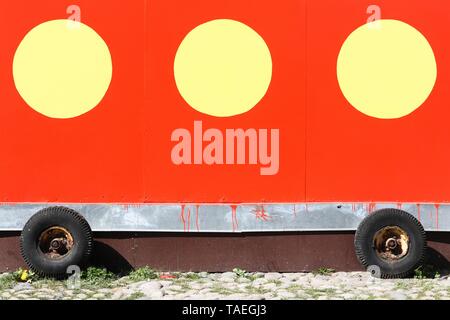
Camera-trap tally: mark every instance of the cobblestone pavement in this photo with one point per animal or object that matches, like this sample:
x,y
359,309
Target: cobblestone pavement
x,y
233,286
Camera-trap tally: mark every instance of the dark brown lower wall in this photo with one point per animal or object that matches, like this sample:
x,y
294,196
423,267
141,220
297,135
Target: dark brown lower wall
x,y
282,252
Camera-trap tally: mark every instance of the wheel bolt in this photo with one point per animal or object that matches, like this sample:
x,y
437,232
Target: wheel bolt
x,y
391,243
55,244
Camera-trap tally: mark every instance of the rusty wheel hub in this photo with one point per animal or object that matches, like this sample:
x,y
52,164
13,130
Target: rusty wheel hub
x,y
391,243
55,242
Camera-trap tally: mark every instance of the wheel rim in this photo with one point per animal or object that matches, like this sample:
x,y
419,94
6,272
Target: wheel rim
x,y
391,243
55,242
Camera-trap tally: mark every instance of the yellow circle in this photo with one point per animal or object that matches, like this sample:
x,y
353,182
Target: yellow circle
x,y
223,68
62,69
386,69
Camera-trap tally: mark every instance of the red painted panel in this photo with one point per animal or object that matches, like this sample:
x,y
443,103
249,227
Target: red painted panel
x,y
353,157
121,150
96,157
283,29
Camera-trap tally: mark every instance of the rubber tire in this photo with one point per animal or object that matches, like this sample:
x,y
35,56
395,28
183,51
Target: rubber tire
x,y
51,217
391,217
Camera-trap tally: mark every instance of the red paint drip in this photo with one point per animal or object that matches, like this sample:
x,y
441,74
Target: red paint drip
x,y
261,213
399,205
437,215
196,217
234,220
371,207
182,217
353,207
189,219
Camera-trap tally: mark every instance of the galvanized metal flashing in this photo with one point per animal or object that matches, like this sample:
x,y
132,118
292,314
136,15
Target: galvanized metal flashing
x,y
228,218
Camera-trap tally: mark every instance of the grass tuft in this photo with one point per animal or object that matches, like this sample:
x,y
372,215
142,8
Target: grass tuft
x,y
98,277
324,271
143,274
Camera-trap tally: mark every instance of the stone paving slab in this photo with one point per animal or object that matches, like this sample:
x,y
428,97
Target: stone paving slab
x,y
231,286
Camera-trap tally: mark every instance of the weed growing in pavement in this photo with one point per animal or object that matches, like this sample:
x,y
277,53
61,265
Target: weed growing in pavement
x,y
143,274
324,271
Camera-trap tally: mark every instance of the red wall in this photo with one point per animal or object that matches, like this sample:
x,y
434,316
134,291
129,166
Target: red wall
x,y
355,157
120,151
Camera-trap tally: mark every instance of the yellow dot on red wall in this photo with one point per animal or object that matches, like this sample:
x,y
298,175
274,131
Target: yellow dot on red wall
x,y
386,69
223,68
62,69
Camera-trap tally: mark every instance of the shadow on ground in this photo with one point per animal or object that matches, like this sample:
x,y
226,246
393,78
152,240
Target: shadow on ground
x,y
107,257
